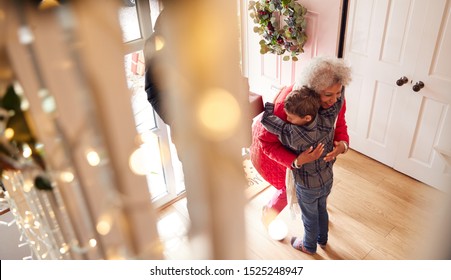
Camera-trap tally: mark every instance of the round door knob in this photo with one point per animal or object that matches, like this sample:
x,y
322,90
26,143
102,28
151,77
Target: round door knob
x,y
401,81
418,86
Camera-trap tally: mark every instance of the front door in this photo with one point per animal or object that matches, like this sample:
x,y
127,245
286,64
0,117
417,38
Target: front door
x,y
404,123
268,73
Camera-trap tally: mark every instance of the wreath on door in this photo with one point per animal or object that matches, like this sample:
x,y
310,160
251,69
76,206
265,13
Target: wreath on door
x,y
280,37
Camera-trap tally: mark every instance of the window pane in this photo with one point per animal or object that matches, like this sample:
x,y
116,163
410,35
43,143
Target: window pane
x,y
155,176
128,18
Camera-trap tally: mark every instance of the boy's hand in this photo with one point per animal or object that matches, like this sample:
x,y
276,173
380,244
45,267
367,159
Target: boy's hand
x,y
310,154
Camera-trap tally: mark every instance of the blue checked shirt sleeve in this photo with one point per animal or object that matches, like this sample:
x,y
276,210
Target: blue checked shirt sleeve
x,y
277,126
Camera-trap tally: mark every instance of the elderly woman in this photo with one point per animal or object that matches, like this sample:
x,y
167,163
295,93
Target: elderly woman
x,y
326,76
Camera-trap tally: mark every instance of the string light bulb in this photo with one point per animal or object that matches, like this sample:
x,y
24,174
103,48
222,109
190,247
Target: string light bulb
x,y
104,224
67,176
26,150
9,133
92,157
92,242
27,185
64,249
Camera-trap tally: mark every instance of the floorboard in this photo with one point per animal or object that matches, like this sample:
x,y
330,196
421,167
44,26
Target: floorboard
x,y
376,213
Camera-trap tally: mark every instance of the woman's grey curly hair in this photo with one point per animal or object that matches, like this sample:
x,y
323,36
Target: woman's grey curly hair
x,y
323,72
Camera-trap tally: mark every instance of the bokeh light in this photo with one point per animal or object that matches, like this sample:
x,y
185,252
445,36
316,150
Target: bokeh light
x,y
219,114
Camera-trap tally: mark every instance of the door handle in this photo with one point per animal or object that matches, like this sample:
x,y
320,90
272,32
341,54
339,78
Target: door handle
x,y
418,86
401,81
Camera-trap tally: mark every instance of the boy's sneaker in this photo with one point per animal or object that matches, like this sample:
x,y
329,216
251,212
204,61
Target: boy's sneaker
x,y
299,245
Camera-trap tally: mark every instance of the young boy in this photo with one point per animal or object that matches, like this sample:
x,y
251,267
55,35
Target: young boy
x,y
310,124
301,107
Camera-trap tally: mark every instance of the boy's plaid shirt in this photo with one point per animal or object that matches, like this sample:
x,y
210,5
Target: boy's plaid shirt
x,y
299,138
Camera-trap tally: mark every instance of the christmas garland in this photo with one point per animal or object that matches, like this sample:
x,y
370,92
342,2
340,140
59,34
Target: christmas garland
x,y
278,39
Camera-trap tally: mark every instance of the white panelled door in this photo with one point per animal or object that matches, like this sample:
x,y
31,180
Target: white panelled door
x,y
268,73
405,126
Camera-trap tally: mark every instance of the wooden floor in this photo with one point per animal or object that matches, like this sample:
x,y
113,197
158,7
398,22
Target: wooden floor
x,y
375,213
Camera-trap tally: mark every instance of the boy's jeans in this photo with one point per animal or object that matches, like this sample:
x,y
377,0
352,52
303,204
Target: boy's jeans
x,y
314,214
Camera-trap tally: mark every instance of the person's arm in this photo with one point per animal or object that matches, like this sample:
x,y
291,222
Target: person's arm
x,y
273,148
153,94
277,129
270,144
295,137
283,130
153,80
150,83
341,129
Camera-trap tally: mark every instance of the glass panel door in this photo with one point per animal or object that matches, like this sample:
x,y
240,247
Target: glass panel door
x,y
164,171
128,17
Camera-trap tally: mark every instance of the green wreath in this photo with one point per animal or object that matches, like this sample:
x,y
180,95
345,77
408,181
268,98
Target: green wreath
x,y
277,39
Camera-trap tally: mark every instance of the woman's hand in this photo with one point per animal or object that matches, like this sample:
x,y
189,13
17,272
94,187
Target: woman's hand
x,y
339,148
310,154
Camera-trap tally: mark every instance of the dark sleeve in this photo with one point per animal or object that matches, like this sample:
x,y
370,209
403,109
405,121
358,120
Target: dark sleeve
x,y
271,122
277,126
154,94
